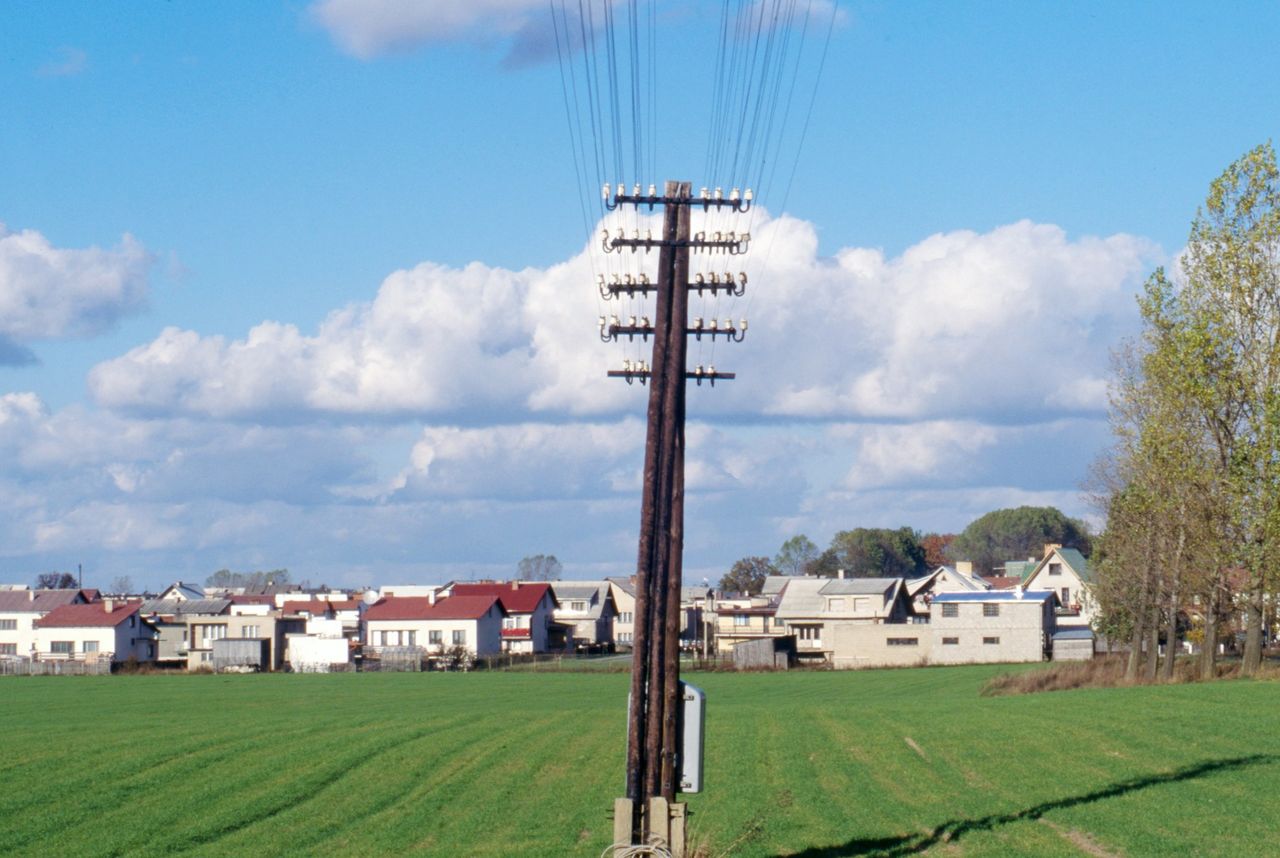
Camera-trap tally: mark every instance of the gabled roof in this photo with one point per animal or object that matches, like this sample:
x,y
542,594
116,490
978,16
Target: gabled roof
x,y
182,590
802,597
94,615
1002,582
250,599
186,606
37,601
518,597
1070,556
860,586
774,584
578,589
420,608
626,585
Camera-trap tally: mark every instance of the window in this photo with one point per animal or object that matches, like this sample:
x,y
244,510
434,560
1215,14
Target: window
x,y
435,636
62,647
1055,568
1066,596
778,622
920,620
248,631
902,641
951,641
624,637
741,620
8,649
459,637
809,633
411,638
508,622
89,646
577,606
950,609
835,604
8,625
625,617
991,641
990,610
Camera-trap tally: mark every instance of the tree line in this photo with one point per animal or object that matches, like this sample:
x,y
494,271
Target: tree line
x,y
874,552
1191,486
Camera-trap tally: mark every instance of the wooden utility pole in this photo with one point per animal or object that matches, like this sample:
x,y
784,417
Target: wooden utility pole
x,y
649,813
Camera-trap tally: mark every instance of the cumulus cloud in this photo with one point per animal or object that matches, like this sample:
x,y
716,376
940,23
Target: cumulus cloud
x,y
370,28
914,453
48,292
1011,324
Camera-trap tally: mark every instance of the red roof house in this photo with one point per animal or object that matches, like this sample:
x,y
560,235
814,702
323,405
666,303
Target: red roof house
x,y
472,621
529,605
107,629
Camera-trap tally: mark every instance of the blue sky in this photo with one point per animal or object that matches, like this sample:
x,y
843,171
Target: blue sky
x,y
304,285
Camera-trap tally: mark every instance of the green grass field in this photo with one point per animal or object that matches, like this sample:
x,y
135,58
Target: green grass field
x,y
879,763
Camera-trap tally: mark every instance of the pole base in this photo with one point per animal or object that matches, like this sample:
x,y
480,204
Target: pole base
x,y
664,821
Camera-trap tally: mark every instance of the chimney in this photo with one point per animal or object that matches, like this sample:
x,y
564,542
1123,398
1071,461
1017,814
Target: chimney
x,y
108,605
431,597
1018,592
31,595
515,585
1050,546
964,567
840,574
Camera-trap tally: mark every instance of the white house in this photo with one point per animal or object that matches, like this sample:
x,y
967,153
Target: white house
x,y
19,611
530,606
586,610
811,608
99,630
436,625
1066,572
991,626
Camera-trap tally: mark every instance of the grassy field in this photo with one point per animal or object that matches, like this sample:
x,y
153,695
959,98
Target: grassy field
x,y
881,763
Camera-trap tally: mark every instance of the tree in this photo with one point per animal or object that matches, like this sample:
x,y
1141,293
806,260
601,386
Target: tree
x,y
747,575
56,581
121,584
874,552
539,567
1009,534
797,556
936,549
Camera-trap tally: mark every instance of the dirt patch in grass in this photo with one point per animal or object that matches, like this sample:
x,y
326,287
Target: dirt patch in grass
x,y
1082,841
1102,672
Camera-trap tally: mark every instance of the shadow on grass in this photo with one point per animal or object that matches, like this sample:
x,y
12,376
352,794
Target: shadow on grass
x,y
954,829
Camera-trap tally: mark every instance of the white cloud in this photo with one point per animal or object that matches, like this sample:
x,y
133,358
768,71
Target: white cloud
x,y
369,28
1014,323
913,453
48,292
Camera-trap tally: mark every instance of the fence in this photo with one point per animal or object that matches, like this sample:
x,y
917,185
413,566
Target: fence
x,y
58,667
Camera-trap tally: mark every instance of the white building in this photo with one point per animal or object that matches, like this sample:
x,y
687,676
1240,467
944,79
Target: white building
x,y
436,625
19,611
98,630
992,626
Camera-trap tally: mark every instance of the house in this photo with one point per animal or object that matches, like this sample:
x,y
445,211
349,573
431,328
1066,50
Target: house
x,y
623,591
529,606
992,626
435,625
345,611
19,611
694,614
180,591
186,628
745,619
585,609
944,579
812,608
1065,571
108,630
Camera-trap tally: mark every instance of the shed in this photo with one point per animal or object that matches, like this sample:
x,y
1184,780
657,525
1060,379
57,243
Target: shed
x,y
772,653
252,653
1073,645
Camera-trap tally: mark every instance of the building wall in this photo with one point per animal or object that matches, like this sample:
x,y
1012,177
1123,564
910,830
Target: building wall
x,y
855,644
23,634
123,641
1020,630
309,652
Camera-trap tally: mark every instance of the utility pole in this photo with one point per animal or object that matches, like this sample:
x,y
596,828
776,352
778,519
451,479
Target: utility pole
x,y
649,815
